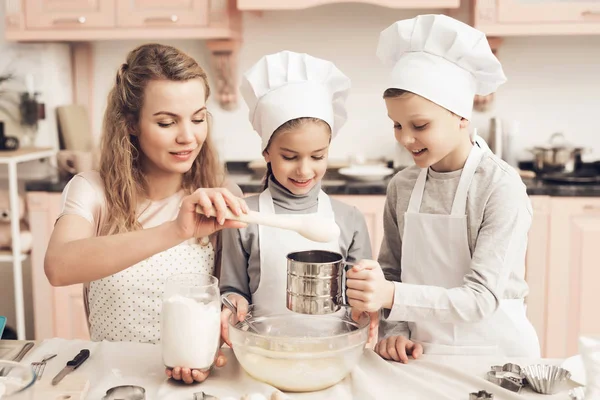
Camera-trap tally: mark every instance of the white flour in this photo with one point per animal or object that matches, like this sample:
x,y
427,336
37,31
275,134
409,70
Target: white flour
x,y
190,332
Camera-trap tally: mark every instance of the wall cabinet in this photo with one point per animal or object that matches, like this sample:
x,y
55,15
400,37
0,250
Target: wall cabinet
x,y
62,14
299,4
90,20
58,311
536,17
562,272
154,13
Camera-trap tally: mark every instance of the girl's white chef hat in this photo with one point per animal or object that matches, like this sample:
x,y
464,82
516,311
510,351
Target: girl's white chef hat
x,y
287,85
441,59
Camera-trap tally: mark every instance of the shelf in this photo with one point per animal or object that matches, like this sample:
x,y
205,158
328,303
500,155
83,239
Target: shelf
x,y
6,256
25,154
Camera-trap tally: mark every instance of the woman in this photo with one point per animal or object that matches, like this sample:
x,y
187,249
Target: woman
x,y
125,229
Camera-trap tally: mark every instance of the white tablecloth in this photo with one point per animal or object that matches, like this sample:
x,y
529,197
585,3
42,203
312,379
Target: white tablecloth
x,y
431,377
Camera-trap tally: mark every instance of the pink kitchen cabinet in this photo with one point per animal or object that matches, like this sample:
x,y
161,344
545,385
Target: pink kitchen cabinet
x,y
300,4
64,14
158,13
58,311
526,17
537,265
573,280
93,20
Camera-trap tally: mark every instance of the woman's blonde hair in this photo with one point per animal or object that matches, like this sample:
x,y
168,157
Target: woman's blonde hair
x,y
120,167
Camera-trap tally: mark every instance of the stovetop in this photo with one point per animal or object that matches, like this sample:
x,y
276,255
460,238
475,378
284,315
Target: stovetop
x,y
588,173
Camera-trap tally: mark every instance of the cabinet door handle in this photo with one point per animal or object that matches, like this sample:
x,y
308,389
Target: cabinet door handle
x,y
591,13
79,20
173,18
591,208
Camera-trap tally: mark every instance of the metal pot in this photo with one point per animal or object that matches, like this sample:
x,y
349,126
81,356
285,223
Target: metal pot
x,y
558,156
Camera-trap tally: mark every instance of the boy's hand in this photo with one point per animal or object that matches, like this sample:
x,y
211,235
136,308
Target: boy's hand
x,y
398,348
368,290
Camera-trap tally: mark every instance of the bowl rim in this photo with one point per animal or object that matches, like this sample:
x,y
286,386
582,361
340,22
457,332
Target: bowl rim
x,y
363,325
14,364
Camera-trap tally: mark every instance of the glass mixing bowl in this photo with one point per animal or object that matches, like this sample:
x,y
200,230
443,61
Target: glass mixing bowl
x,y
14,378
300,352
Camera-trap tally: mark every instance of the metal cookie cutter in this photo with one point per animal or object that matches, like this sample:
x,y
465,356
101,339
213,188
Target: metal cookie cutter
x,y
204,396
481,395
508,376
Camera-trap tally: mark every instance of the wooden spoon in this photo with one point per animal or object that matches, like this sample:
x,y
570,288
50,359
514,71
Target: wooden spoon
x,y
314,228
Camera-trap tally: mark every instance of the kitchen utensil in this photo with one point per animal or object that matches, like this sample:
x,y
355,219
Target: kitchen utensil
x,y
481,395
233,309
545,378
509,376
73,162
575,366
71,366
40,366
366,173
74,127
298,352
17,377
577,394
589,348
204,396
125,392
495,137
557,156
18,357
190,321
316,282
311,227
7,142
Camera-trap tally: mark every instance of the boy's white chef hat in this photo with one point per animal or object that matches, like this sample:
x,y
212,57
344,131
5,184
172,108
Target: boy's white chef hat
x,y
287,85
442,59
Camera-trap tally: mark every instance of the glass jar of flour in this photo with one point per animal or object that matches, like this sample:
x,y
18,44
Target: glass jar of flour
x,y
190,321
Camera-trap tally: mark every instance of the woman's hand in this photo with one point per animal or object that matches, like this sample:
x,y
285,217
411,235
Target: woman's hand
x,y
188,375
190,224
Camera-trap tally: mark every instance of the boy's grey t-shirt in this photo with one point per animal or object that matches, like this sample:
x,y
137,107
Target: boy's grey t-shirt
x,y
240,268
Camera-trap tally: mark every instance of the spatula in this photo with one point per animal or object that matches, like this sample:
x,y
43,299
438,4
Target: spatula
x,y
312,227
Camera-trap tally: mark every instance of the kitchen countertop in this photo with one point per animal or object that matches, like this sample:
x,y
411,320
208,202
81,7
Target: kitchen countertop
x,y
122,363
343,187
335,184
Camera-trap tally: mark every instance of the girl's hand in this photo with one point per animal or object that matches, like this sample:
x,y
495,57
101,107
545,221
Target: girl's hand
x,y
373,326
241,304
191,224
188,375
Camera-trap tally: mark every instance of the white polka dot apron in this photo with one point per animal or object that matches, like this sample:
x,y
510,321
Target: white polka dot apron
x,y
126,306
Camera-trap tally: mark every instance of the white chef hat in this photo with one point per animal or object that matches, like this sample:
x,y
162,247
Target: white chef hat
x,y
441,59
287,85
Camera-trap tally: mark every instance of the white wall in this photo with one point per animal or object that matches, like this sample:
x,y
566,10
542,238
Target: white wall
x,y
553,83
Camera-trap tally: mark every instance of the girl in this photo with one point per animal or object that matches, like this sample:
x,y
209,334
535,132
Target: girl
x,y
297,106
456,223
128,227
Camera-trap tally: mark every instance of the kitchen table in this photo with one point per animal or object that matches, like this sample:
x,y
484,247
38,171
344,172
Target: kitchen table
x,y
122,363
